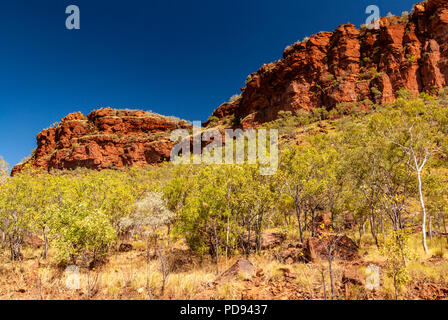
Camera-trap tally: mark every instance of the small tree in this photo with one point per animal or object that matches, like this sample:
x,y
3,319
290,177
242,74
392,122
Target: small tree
x,y
416,127
16,212
397,253
151,216
300,172
330,245
81,231
203,219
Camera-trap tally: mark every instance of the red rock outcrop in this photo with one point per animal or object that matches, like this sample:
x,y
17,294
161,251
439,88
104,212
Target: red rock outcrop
x,y
106,138
343,67
349,66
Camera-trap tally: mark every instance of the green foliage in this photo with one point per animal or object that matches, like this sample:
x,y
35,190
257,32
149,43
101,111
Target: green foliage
x,y
81,231
359,169
203,218
220,206
320,113
377,93
17,200
443,95
288,122
397,252
79,211
213,121
411,58
404,94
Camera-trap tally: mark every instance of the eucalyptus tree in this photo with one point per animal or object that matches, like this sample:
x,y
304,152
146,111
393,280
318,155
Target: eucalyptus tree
x,y
151,216
203,218
252,198
418,129
302,172
16,211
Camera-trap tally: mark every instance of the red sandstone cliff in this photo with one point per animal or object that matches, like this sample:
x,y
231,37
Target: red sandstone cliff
x,y
106,138
346,66
350,65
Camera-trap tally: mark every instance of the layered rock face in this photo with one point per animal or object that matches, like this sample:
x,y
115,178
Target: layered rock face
x,y
106,138
350,66
346,66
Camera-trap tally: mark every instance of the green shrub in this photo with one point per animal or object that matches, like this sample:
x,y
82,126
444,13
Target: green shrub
x,y
404,94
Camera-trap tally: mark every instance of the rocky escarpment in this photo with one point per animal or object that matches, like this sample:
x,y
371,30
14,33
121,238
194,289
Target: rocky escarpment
x,y
350,66
106,138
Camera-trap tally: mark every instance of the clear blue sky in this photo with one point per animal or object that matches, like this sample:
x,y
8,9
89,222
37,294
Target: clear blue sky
x,y
174,57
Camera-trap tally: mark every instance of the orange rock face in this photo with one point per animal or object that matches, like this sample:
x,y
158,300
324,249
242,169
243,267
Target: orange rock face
x,y
106,138
345,66
351,65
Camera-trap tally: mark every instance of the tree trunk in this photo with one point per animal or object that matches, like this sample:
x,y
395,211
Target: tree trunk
x,y
148,268
164,271
395,286
217,251
227,239
89,293
305,219
323,284
373,229
383,230
444,223
354,235
330,269
313,224
16,246
155,245
248,239
430,231
422,202
300,223
45,253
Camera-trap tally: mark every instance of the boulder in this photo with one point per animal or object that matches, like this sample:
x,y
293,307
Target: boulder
x,y
125,247
319,247
292,254
353,277
34,241
268,240
241,268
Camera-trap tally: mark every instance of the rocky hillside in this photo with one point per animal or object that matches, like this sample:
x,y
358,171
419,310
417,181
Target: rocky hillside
x,y
106,138
343,69
350,66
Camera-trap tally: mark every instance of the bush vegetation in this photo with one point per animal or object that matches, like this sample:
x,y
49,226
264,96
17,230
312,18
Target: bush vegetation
x,y
385,170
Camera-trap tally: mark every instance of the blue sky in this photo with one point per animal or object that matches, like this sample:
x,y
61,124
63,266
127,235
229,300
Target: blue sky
x,y
174,57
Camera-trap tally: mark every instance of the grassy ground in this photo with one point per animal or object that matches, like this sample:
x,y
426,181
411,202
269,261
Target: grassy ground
x,y
124,276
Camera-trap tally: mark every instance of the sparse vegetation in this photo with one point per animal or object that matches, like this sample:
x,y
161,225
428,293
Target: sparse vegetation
x,y
348,175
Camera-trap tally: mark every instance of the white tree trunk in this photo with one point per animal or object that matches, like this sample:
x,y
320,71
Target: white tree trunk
x,y
422,202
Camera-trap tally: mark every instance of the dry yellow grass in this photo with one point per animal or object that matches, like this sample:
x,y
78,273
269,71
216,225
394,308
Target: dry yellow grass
x,y
124,276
